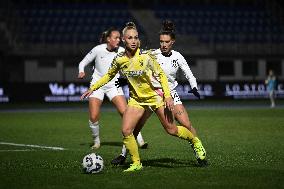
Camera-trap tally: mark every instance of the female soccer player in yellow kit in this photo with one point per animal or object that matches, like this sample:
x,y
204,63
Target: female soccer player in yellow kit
x,y
138,68
171,61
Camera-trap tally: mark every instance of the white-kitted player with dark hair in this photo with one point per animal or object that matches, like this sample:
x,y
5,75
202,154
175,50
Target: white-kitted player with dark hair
x,y
171,61
103,55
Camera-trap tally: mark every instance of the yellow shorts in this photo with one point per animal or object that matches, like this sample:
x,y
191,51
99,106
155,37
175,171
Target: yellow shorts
x,y
153,103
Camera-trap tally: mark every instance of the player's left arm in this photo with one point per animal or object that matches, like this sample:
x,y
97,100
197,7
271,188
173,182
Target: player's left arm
x,y
187,72
156,68
104,80
189,76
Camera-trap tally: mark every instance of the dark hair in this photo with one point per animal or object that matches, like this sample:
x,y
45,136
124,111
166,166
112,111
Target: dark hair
x,y
168,28
107,34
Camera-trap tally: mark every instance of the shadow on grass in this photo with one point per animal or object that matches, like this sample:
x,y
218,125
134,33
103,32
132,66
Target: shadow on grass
x,y
103,144
169,163
164,163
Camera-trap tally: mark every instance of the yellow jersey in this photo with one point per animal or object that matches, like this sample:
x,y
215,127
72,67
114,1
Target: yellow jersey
x,y
139,71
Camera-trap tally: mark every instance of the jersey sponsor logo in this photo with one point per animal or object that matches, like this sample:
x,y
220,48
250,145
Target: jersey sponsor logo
x,y
133,73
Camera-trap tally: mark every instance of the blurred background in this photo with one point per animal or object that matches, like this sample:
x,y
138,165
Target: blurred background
x,y
229,44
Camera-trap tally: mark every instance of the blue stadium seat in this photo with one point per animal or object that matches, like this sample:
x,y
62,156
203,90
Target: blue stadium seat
x,y
224,24
55,22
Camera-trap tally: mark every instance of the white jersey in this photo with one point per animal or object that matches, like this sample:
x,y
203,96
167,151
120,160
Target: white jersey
x,y
171,64
102,61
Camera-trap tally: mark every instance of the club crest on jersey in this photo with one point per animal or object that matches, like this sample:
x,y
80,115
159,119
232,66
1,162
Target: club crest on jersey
x,y
175,63
124,67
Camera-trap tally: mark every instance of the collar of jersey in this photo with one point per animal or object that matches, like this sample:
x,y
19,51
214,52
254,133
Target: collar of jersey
x,y
167,55
113,50
136,53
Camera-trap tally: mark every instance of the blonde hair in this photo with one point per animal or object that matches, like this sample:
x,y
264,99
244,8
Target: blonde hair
x,y
129,26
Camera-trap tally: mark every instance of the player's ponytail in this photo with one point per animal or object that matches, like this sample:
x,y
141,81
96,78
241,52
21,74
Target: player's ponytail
x,y
129,26
103,37
168,28
107,34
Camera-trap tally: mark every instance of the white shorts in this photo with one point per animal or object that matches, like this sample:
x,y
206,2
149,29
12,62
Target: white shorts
x,y
110,93
174,95
110,90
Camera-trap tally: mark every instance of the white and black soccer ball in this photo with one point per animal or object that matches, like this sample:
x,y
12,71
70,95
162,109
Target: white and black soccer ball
x,y
93,163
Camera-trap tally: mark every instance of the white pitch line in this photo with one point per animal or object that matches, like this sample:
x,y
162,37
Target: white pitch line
x,y
15,150
33,146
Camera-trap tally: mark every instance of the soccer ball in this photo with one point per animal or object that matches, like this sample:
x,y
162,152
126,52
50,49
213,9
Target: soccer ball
x,y
93,163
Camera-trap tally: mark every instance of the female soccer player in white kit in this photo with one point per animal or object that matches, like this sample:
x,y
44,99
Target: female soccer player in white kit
x,y
103,55
170,61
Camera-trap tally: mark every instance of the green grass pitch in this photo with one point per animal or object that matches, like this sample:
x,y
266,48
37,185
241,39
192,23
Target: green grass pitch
x,y
245,150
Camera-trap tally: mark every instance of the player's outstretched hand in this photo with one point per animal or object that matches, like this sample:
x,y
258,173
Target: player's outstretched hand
x,y
86,94
81,75
195,92
120,82
169,103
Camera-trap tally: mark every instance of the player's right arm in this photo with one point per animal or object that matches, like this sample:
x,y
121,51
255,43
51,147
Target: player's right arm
x,y
86,60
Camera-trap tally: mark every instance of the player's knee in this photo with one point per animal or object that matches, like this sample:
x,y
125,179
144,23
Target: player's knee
x,y
172,130
94,118
126,131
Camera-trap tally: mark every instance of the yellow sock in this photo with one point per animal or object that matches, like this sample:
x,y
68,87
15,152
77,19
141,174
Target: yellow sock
x,y
195,140
184,133
131,146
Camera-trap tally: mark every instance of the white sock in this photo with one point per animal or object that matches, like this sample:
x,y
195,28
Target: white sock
x,y
140,139
123,151
95,131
